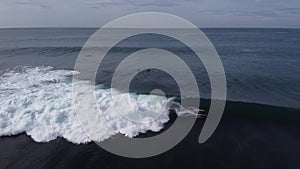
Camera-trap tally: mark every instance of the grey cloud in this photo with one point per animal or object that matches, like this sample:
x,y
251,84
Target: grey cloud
x,y
282,12
290,10
138,3
32,4
218,13
263,13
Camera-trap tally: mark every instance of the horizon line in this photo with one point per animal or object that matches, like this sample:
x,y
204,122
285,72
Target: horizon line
x,y
94,27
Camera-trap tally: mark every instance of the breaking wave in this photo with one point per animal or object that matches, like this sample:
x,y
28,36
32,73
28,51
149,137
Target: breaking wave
x,y
38,101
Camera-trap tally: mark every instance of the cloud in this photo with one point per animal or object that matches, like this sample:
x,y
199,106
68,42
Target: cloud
x,y
259,13
295,11
31,3
86,13
137,3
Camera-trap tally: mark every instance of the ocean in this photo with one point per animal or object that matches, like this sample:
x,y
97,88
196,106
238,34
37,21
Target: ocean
x,y
262,68
261,65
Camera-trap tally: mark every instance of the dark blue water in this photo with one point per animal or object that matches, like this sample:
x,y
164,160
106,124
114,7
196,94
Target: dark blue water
x,y
261,65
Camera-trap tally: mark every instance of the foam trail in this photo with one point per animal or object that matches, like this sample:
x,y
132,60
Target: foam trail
x,y
38,101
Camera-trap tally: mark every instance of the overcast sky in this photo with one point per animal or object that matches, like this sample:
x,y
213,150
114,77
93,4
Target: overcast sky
x,y
203,13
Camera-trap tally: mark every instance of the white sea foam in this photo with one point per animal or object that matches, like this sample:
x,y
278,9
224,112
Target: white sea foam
x,y
38,101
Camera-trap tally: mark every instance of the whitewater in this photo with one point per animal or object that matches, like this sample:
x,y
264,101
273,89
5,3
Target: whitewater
x,y
38,101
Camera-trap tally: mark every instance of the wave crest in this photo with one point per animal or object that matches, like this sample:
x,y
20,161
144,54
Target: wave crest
x,y
38,101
